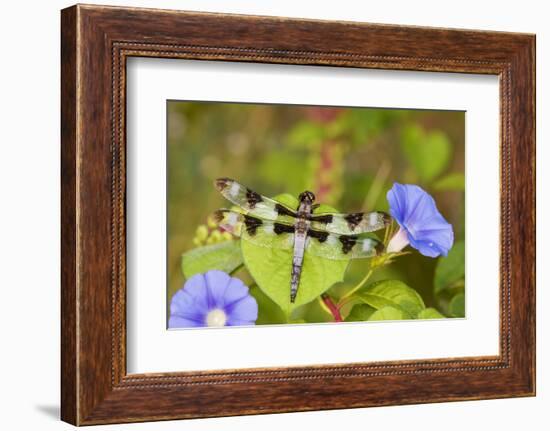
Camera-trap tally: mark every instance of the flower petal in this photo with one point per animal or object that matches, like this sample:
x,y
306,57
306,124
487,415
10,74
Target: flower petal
x,y
191,295
189,305
181,322
420,213
213,290
396,199
434,242
185,306
427,248
416,212
242,312
217,283
236,290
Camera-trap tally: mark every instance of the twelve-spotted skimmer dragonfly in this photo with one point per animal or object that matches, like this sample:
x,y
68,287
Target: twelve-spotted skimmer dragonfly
x,y
268,223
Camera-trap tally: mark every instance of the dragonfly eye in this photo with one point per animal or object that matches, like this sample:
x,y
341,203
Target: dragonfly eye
x,y
307,196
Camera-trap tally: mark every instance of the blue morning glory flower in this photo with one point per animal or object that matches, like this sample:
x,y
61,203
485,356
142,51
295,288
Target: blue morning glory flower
x,y
421,224
212,299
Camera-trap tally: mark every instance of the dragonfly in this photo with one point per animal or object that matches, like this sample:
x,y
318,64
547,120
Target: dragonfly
x,y
268,223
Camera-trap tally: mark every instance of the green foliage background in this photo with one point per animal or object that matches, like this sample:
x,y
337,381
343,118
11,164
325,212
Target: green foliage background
x,y
349,157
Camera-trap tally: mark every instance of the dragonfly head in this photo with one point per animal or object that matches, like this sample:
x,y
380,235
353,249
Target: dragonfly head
x,y
307,197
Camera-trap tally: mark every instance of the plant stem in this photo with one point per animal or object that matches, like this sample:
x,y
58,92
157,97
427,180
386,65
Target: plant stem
x,y
356,288
388,232
332,308
323,305
236,269
348,296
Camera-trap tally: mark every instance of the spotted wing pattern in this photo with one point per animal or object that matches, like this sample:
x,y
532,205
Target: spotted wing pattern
x,y
279,235
265,233
253,203
350,224
341,247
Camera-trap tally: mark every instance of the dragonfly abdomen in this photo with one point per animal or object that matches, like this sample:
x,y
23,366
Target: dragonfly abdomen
x,y
300,238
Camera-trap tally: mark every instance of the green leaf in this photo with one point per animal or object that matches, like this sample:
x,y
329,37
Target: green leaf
x,y
360,313
392,293
287,199
271,269
450,269
454,181
225,256
313,312
268,311
389,313
457,305
428,153
294,321
430,313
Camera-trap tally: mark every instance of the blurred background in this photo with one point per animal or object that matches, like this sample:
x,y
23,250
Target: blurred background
x,y
349,157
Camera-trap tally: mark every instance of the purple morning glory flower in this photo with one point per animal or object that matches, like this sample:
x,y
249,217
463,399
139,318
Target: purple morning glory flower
x,y
212,299
421,224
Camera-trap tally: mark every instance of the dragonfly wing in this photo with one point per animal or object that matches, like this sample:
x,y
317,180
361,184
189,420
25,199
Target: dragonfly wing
x,y
251,202
264,233
350,224
341,247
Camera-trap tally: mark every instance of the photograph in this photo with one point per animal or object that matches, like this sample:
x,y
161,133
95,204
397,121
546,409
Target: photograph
x,y
290,214
264,211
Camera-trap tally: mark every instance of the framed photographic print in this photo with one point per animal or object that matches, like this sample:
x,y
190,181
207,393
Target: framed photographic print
x,y
290,207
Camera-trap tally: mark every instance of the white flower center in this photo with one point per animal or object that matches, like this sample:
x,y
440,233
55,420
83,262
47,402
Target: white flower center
x,y
216,318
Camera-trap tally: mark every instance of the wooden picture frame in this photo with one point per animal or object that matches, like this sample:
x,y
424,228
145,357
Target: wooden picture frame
x,y
96,41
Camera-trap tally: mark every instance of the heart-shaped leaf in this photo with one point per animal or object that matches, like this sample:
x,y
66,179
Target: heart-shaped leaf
x,y
225,256
360,313
271,269
392,293
430,313
457,306
389,313
268,312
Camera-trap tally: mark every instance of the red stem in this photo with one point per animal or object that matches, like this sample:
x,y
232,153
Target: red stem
x,y
332,307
